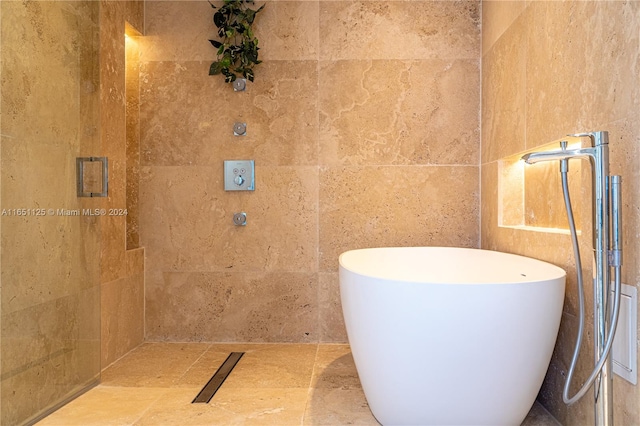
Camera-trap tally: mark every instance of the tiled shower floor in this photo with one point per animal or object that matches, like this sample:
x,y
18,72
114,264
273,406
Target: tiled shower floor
x,y
273,384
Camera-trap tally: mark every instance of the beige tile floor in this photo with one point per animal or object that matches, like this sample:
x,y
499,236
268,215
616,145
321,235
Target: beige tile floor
x,y
273,384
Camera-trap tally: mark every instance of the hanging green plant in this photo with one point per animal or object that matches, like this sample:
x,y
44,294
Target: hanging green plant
x,y
238,48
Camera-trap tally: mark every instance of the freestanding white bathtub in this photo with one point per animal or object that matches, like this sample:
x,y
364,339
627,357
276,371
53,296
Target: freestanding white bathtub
x,y
450,336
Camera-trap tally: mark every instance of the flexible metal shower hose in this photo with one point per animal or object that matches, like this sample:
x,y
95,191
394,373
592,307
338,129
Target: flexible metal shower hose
x,y
564,167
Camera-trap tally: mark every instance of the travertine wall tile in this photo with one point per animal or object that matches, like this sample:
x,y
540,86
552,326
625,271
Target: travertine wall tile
x,y
426,112
502,14
625,158
510,192
57,331
63,105
110,317
544,199
289,30
322,100
489,205
625,161
568,89
188,220
399,30
176,31
122,320
331,321
135,14
33,275
407,206
132,94
113,134
1,132
49,254
503,84
581,75
230,306
52,254
552,50
185,125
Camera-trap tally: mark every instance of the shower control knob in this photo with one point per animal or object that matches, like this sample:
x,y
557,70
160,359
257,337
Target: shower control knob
x,y
240,129
239,85
239,175
240,219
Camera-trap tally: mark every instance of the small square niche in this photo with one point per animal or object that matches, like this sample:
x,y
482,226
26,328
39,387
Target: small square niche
x,y
530,196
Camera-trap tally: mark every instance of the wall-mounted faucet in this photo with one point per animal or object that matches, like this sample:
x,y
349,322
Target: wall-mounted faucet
x,y
607,254
598,155
562,154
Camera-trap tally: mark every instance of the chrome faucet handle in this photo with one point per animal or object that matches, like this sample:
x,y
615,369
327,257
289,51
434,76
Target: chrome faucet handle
x,y
563,145
582,135
597,138
590,135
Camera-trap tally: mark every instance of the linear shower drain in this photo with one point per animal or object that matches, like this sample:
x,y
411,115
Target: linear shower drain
x,y
218,378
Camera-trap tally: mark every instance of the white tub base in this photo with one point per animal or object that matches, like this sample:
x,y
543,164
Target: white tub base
x,y
461,337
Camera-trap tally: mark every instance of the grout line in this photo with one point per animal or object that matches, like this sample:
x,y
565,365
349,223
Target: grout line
x,y
102,370
315,364
154,402
194,363
480,127
310,387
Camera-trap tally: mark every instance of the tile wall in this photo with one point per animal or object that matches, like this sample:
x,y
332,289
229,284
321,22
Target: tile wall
x,y
1,108
549,69
364,126
72,299
132,112
50,259
122,270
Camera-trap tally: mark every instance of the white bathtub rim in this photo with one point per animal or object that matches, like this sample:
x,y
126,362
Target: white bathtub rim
x,y
536,270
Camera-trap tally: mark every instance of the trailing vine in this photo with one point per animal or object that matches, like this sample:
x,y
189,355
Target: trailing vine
x,y
238,47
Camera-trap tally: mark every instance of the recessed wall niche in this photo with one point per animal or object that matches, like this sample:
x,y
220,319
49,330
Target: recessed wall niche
x,y
132,94
530,195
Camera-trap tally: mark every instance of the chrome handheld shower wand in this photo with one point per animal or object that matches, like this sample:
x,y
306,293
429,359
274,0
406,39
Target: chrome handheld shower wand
x,y
607,254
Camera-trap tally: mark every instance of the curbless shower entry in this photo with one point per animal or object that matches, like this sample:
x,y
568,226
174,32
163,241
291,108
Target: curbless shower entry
x,y
49,250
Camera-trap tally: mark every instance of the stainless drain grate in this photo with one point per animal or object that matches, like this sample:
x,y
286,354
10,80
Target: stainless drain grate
x,y
218,378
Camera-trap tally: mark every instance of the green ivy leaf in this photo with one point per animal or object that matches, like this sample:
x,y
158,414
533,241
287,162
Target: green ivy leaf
x,y
252,56
250,15
226,62
215,68
219,19
238,48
